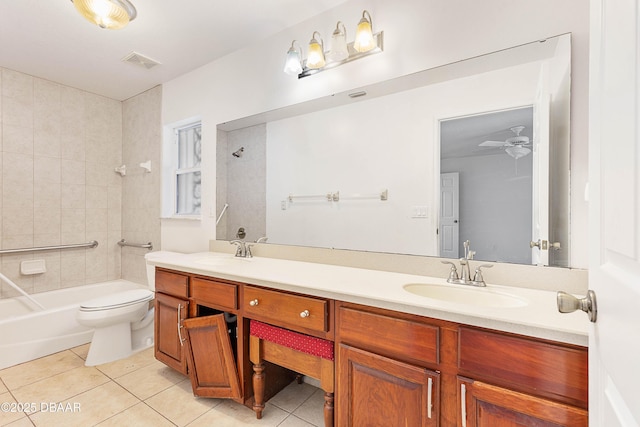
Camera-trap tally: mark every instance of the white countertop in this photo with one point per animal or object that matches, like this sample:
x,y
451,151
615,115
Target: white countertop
x,y
538,315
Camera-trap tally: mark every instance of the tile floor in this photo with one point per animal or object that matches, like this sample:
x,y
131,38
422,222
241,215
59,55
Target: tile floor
x,y
137,391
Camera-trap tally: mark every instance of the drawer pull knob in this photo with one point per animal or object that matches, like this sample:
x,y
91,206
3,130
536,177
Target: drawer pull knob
x,y
304,314
253,302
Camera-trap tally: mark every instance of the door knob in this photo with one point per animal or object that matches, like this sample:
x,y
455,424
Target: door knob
x,y
540,244
567,303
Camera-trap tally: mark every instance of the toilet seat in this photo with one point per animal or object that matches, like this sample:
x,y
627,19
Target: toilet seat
x,y
118,300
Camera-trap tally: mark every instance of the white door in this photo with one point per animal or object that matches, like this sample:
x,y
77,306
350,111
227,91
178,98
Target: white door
x,y
540,191
449,214
614,213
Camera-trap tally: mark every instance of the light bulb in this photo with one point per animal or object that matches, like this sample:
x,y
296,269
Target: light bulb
x,y
315,56
293,62
339,51
364,34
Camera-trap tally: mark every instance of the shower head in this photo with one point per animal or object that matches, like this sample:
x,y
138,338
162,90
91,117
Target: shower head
x,y
238,152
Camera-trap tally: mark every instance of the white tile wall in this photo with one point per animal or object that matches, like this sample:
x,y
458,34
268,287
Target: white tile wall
x,y
58,150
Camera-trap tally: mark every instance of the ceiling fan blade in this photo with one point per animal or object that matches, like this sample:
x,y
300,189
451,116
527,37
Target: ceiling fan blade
x,y
492,144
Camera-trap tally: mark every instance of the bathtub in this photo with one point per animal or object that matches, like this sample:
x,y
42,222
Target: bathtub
x,y
27,334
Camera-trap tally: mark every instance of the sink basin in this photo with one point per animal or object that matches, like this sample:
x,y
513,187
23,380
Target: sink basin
x,y
214,260
484,297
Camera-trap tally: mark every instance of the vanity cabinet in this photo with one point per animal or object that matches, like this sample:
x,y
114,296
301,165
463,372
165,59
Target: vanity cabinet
x,y
171,309
391,368
210,339
192,334
399,369
512,381
386,369
202,330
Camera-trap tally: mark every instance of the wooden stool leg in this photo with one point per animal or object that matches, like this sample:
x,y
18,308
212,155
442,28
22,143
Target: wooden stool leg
x,y
328,410
258,389
299,378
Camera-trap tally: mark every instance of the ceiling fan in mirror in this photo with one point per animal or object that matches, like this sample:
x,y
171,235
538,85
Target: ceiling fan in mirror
x,y
516,146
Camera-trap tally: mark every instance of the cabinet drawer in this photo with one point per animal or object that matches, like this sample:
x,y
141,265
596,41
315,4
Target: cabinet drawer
x,y
295,312
404,339
214,293
172,283
541,368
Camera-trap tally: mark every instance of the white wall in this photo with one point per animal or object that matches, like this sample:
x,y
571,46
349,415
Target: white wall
x,y
418,34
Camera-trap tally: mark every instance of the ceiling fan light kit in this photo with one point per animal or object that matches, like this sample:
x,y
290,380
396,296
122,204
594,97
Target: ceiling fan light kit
x,y
515,146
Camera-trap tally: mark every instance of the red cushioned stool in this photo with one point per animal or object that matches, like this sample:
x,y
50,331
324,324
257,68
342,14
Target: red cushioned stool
x,y
301,353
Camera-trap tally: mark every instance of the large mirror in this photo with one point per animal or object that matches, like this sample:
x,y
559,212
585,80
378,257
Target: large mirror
x,y
371,169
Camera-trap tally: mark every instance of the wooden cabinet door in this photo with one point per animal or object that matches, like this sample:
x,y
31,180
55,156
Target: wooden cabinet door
x,y
373,390
210,358
170,312
485,405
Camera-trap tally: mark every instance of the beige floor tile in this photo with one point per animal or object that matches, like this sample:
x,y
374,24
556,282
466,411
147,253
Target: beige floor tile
x,y
3,388
82,350
36,370
232,414
22,422
139,415
312,410
95,405
178,404
292,396
150,380
124,366
293,421
7,415
61,386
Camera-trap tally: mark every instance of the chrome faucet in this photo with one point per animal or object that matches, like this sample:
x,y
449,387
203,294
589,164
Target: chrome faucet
x,y
465,268
244,248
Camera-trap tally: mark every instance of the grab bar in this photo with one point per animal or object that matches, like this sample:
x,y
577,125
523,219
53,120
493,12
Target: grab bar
x,y
136,245
91,244
23,293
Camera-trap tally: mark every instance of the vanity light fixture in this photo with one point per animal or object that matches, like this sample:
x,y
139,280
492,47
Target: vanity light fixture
x,y
339,50
364,41
109,14
293,63
315,56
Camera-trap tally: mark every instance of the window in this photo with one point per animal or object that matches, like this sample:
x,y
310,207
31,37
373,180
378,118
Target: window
x,y
187,177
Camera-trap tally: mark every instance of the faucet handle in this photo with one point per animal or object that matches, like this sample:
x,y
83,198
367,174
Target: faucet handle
x,y
241,248
247,252
477,277
453,272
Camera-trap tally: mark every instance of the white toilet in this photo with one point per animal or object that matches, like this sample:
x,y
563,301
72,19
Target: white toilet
x,y
123,324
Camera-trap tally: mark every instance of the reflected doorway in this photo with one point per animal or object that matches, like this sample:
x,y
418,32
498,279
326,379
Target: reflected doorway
x,y
489,151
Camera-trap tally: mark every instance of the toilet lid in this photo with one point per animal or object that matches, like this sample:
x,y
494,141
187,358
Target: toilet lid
x,y
120,299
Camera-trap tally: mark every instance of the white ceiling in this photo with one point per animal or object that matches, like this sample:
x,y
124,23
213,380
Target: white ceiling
x,y
50,40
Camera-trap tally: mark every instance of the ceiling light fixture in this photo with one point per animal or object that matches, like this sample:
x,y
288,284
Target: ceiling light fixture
x,y
315,57
341,52
109,14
